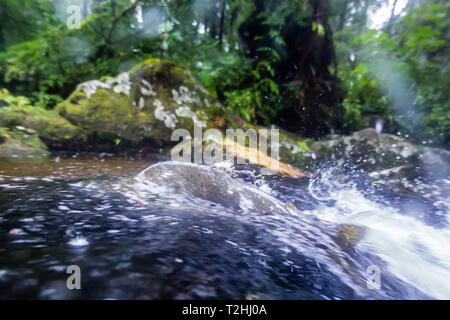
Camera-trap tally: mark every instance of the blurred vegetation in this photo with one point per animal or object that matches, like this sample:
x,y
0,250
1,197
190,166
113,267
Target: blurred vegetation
x,y
310,66
399,73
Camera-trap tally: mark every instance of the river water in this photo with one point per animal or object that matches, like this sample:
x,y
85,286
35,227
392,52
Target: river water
x,y
91,212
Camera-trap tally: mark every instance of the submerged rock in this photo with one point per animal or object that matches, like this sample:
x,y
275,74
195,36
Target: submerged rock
x,y
215,185
212,184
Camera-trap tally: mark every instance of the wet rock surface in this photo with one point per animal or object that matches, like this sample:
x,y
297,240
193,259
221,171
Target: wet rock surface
x,y
211,184
176,247
384,155
413,177
368,149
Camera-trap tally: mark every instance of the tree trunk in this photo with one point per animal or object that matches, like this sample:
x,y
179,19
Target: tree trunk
x,y
305,59
391,19
213,17
222,20
342,17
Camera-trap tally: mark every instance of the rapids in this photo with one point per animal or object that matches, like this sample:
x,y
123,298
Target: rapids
x,y
135,236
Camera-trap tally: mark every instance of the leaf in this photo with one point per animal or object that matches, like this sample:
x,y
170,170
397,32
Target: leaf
x,y
320,30
273,86
258,100
303,144
256,74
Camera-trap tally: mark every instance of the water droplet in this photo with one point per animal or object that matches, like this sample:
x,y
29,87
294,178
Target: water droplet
x,y
78,242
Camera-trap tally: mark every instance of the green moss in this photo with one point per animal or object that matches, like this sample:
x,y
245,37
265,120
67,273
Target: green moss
x,y
10,117
54,130
106,116
105,78
304,145
18,144
161,72
77,96
295,150
3,135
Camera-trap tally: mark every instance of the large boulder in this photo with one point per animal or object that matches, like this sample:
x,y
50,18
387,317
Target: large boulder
x,y
144,105
135,111
141,109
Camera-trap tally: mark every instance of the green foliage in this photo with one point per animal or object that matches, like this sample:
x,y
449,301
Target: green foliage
x,y
45,100
399,73
402,76
242,103
9,99
59,58
363,98
24,20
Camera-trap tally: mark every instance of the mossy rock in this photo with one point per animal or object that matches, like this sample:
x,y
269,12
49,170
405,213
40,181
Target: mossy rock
x,y
384,157
20,144
53,129
296,150
144,105
367,149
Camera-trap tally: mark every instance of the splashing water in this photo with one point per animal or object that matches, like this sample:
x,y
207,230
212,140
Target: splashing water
x,y
410,249
134,238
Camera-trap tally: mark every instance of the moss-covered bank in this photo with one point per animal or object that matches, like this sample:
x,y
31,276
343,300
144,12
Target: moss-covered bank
x,y
21,143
